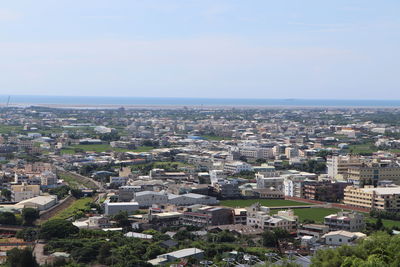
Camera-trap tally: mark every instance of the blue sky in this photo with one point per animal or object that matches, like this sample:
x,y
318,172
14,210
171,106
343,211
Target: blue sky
x,y
201,48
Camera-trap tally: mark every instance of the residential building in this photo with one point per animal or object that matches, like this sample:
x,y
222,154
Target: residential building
x,y
206,216
234,167
24,191
324,190
315,230
344,220
338,238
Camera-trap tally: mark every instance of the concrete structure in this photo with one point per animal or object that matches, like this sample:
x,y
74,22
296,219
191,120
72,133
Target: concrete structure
x,y
24,191
203,216
338,166
344,220
146,199
258,217
116,207
380,198
324,190
373,172
268,182
234,167
191,199
126,193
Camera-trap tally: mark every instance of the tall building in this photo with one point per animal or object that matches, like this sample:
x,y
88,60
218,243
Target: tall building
x,y
338,166
373,172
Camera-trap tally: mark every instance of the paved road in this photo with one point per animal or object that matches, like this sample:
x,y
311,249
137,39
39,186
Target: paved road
x,y
38,252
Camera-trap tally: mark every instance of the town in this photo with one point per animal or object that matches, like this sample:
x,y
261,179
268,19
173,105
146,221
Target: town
x,y
198,186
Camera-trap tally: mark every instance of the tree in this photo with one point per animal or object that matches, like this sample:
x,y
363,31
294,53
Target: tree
x,y
28,234
6,194
76,193
30,215
7,218
122,219
57,229
379,249
379,224
269,239
183,235
21,258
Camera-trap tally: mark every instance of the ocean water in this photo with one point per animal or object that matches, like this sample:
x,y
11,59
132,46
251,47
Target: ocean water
x,y
164,101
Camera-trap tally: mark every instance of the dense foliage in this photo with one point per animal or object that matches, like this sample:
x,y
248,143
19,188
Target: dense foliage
x,y
380,249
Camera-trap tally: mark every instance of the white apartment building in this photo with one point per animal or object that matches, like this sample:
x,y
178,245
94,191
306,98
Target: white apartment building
x,y
268,182
234,167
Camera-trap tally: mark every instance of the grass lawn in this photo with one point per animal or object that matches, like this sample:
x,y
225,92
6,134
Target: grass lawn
x,y
315,214
264,202
6,129
363,149
80,204
215,137
103,148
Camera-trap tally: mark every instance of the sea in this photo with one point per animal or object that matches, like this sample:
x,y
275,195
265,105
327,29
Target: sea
x,y
90,101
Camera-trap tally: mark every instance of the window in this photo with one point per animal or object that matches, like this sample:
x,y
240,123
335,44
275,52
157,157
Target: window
x,y
340,240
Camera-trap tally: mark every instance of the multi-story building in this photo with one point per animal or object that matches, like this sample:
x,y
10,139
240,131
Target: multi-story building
x,y
379,198
234,167
324,190
227,189
24,191
347,221
268,182
48,179
338,166
240,216
370,174
204,216
259,217
127,192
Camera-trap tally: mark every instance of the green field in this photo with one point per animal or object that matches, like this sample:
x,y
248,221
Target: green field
x,y
215,137
368,148
75,182
6,129
264,202
315,214
78,205
318,214
102,148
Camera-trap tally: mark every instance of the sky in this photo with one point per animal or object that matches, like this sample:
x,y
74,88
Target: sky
x,y
340,49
